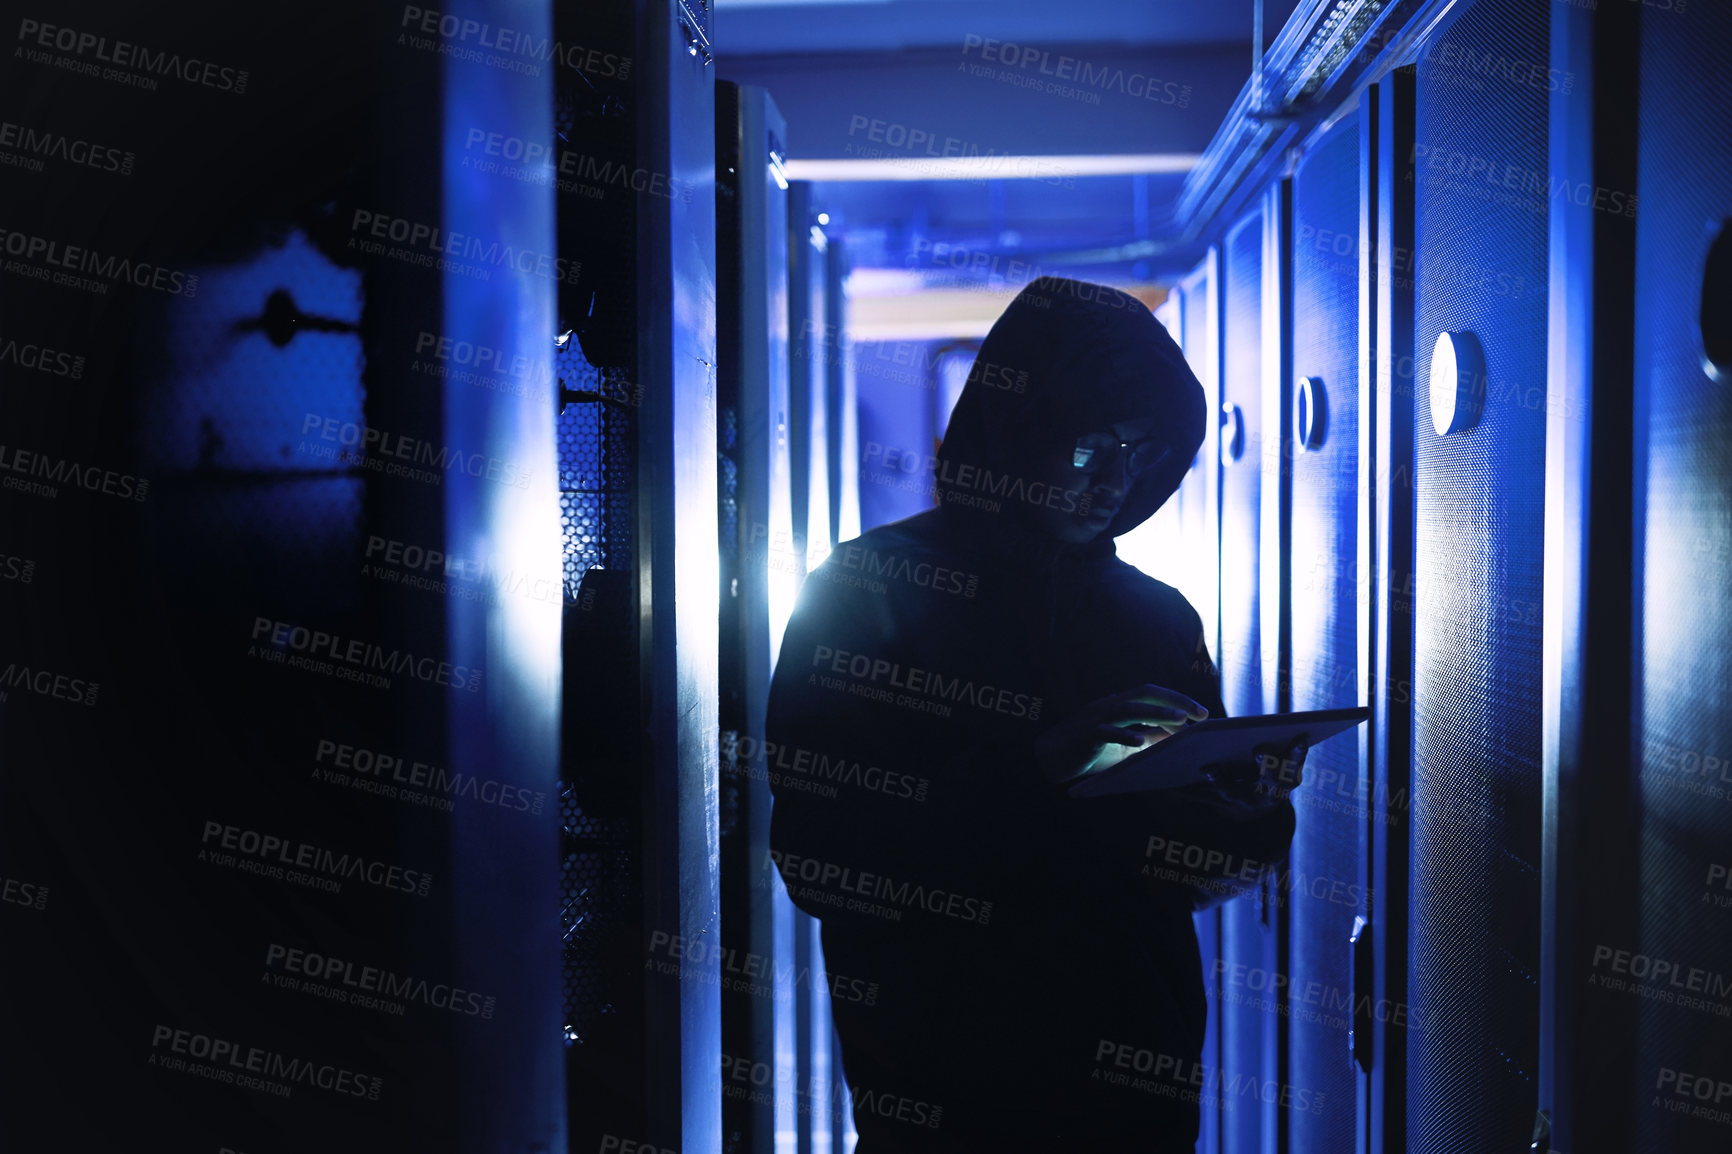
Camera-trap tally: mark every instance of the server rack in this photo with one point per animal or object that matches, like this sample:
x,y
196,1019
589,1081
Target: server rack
x,y
842,456
1248,937
1191,313
1385,559
1321,890
815,325
845,426
1539,554
638,474
787,426
1480,276
758,577
1644,706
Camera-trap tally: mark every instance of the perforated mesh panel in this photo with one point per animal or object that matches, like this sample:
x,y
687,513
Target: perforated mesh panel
x,y
598,866
1685,184
257,398
1241,482
593,902
243,534
1324,892
728,488
203,419
594,437
1481,267
1242,1022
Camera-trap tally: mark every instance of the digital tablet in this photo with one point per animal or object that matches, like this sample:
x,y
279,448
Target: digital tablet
x,y
1178,760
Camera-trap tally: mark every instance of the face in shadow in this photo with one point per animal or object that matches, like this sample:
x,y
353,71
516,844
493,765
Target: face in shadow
x,y
1095,469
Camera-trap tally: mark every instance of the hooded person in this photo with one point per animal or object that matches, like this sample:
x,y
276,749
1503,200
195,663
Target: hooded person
x,y
1012,968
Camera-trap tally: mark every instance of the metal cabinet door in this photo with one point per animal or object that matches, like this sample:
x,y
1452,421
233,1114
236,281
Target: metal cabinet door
x,y
1320,888
1480,269
1247,1032
1683,1043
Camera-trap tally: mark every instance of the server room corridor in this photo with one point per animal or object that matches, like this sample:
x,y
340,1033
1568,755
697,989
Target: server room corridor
x,y
866,577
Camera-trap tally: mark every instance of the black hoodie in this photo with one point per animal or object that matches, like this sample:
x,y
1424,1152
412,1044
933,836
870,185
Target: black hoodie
x,y
1030,960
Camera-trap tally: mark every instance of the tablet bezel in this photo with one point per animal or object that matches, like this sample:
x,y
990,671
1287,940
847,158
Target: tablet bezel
x,y
1338,721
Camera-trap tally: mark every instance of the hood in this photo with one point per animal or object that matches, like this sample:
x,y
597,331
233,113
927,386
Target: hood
x,y
1070,357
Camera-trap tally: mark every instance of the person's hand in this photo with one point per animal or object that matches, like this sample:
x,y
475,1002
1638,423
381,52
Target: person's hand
x,y
1081,744
1272,773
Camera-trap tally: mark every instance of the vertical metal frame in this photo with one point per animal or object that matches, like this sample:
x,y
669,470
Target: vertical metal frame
x,y
1170,312
816,460
811,1039
763,389
809,457
513,1081
1275,570
844,453
1275,567
1203,286
839,378
1386,559
677,575
1245,926
1215,309
1303,481
1589,697
765,533
806,377
1365,513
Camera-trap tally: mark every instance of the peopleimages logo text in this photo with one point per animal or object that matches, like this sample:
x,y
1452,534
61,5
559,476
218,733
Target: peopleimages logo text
x,y
318,859
62,471
966,480
511,42
396,775
910,895
142,274
1104,77
364,979
365,654
21,893
59,146
462,246
42,359
864,668
231,1057
47,683
379,448
124,54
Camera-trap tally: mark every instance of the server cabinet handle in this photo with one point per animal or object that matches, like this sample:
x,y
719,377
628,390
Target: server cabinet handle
x,y
1542,1143
1309,414
1458,382
1359,1037
1715,315
1232,433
